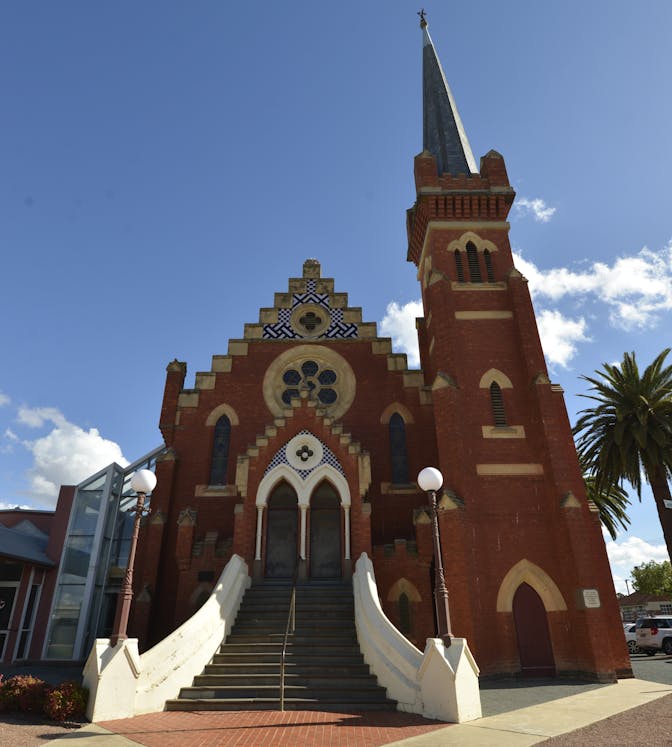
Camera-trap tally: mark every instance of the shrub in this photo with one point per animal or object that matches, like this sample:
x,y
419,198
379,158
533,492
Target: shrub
x,y
23,692
65,702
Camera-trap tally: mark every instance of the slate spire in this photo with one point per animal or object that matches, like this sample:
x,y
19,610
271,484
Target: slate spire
x,y
443,133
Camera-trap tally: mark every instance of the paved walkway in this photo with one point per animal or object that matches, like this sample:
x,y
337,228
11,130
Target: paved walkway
x,y
601,713
556,711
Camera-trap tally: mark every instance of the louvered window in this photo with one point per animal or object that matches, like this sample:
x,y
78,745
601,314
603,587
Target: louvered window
x,y
220,451
472,261
398,455
487,258
497,403
458,266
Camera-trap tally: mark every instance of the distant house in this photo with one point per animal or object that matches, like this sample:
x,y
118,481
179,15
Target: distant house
x,y
638,604
30,551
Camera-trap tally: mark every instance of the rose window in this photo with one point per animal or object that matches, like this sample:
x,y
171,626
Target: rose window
x,y
310,376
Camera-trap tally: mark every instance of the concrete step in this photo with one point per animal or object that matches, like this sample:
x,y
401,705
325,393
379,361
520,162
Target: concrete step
x,y
306,668
273,704
317,680
302,639
299,659
252,690
324,668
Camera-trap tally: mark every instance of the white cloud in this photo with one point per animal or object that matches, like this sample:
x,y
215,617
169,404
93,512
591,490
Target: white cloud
x,y
635,551
36,417
10,439
66,455
637,289
4,399
399,324
536,207
624,556
559,335
11,506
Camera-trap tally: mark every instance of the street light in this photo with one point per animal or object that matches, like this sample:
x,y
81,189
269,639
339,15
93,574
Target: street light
x,y
430,480
143,482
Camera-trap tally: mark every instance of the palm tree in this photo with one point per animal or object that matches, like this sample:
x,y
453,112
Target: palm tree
x,y
611,502
628,432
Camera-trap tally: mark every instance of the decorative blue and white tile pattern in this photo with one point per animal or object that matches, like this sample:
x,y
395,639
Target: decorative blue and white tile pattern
x,y
328,457
283,330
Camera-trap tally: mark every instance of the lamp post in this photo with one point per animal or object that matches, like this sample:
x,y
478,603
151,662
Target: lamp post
x,y
143,482
430,480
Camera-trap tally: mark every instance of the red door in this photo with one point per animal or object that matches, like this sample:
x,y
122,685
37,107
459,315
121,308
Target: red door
x,y
534,640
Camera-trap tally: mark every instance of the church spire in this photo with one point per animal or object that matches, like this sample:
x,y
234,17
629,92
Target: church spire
x,y
443,133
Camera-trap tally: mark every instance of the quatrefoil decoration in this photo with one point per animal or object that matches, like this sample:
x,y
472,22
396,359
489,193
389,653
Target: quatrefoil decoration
x,y
304,453
310,321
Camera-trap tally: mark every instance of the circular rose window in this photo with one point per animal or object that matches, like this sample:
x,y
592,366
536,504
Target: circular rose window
x,y
318,381
311,371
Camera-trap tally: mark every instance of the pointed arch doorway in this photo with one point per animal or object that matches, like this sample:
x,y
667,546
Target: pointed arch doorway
x,y
325,533
285,491
282,532
534,639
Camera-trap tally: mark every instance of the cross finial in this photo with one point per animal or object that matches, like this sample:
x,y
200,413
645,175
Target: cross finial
x,y
423,19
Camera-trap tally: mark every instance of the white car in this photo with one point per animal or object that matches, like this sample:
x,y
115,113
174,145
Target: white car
x,y
630,630
655,634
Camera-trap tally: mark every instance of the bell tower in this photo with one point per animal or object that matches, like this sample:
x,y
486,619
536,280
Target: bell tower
x,y
522,539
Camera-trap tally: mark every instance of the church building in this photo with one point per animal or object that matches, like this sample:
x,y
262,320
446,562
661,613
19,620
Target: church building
x,y
300,448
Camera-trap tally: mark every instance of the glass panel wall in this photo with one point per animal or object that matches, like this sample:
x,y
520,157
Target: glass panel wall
x,y
95,555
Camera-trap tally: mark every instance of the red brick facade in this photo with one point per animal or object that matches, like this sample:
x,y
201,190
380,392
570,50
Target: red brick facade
x,y
513,506
312,396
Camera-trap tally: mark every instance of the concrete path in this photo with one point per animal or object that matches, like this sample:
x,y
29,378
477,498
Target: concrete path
x,y
523,726
537,723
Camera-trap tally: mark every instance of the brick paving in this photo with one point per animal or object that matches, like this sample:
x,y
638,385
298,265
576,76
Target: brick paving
x,y
272,728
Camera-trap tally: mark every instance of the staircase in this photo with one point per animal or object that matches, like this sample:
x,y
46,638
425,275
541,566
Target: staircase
x,y
324,668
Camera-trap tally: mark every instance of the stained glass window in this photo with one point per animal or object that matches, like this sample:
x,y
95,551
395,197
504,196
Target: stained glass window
x,y
398,453
220,451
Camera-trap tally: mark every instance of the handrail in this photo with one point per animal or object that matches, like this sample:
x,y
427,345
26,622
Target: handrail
x,y
291,622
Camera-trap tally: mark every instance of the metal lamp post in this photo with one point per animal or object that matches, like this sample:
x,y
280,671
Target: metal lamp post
x,y
430,480
143,482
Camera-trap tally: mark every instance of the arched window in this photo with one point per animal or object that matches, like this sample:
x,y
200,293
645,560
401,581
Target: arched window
x,y
487,257
220,451
472,261
404,614
458,266
398,455
497,402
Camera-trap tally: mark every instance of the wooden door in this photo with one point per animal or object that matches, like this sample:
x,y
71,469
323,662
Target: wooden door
x,y
325,533
534,640
282,533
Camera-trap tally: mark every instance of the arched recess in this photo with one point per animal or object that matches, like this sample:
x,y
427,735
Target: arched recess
x,y
282,532
325,532
396,407
220,410
219,461
525,572
469,237
498,377
403,586
398,450
303,488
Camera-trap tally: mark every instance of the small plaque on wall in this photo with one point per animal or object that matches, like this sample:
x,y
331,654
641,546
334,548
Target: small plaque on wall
x,y
668,504
590,598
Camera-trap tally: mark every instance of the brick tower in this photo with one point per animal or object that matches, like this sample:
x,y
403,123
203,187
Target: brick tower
x,y
522,547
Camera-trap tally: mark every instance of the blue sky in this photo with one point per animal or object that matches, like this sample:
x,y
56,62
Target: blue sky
x,y
166,166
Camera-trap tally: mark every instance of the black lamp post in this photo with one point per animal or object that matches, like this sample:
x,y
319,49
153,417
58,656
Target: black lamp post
x,y
143,482
430,480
